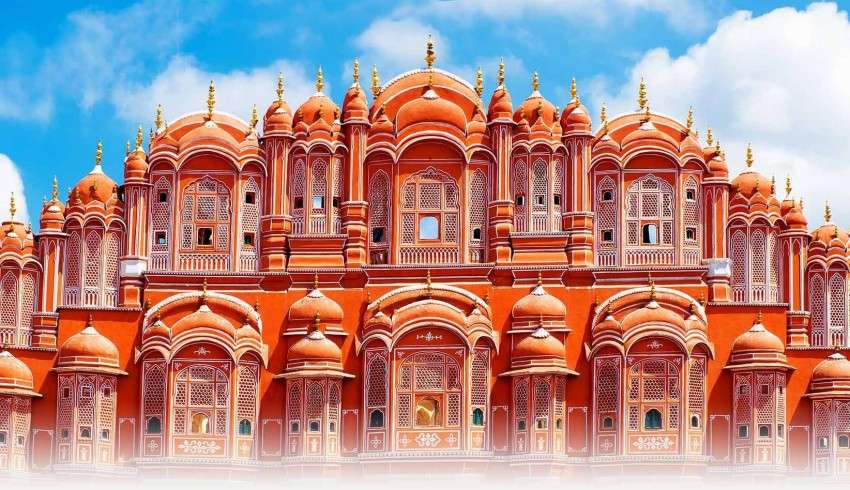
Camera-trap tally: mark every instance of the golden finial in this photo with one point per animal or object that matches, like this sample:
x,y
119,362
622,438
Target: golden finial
x,y
539,278
690,121
827,212
320,80
540,108
643,103
573,89
126,147
702,300
315,280
801,203
89,321
479,82
535,82
709,137
157,120
12,207
500,78
603,115
773,184
210,100
788,185
428,278
254,117
758,319
651,290
54,195
139,138
204,292
98,153
749,157
355,72
376,82
279,89
430,57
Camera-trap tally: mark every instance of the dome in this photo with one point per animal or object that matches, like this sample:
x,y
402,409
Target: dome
x,y
17,238
354,104
96,186
318,106
382,126
748,183
205,318
834,368
535,106
717,163
314,348
303,311
430,108
647,133
539,345
500,106
15,376
88,350
52,215
278,116
577,119
539,303
652,313
690,145
795,219
828,233
135,165
758,339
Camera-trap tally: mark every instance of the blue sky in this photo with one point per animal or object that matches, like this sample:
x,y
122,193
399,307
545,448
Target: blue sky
x,y
774,75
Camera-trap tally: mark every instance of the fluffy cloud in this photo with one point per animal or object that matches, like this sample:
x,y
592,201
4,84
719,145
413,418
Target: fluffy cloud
x,y
11,182
182,88
96,52
779,80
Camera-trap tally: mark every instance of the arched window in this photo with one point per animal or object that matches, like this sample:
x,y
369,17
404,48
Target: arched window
x,y
379,212
477,210
318,197
376,389
649,201
200,423
652,419
817,307
837,309
607,423
427,412
428,391
429,218
93,267
519,185
738,253
540,197
153,426
649,234
244,427
205,226
844,441
161,205
72,269
691,222
606,222
297,183
376,419
9,302
250,222
477,417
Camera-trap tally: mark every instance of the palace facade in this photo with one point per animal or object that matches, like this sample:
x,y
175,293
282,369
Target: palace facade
x,y
420,276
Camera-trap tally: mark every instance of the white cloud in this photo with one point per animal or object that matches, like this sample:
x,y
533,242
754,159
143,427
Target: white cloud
x,y
97,51
779,80
12,182
182,88
683,15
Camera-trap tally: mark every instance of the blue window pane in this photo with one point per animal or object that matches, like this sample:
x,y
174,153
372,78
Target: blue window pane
x,y
429,228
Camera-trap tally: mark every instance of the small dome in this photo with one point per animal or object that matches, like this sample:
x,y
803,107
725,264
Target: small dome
x,y
15,376
647,133
539,345
652,313
828,234
748,183
314,348
577,119
606,144
17,238
835,368
539,303
303,311
535,107
382,126
758,339
690,145
205,318
318,106
135,165
278,117
354,104
795,219
500,106
52,215
88,350
430,108
96,186
717,165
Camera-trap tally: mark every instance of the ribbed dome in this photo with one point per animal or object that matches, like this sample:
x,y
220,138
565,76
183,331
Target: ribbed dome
x,y
430,108
15,376
539,345
303,311
647,133
278,117
836,367
203,317
88,350
16,238
758,339
354,104
577,119
500,106
747,183
539,303
96,186
314,348
318,106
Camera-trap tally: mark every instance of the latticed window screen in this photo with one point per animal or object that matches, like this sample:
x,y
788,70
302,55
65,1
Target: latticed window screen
x,y
479,380
650,202
298,179
542,401
318,204
558,195
153,395
250,223
72,264
430,205
206,204
739,255
379,216
436,375
696,387
540,196
759,267
607,389
690,214
659,388
521,404
376,387
246,396
837,309
161,209
93,263
477,214
201,390
293,403
336,196
817,308
519,185
9,300
28,300
607,228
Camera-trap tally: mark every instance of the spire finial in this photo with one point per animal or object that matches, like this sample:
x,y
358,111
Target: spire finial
x,y
603,116
376,82
827,212
430,57
539,278
788,185
317,321
479,82
127,148
801,203
320,80
254,117
139,138
211,100
279,90
500,77
12,207
535,82
204,292
573,89
54,195
98,153
773,184
709,137
749,157
355,72
758,319
89,321
158,122
315,280
428,278
690,121
642,100
651,290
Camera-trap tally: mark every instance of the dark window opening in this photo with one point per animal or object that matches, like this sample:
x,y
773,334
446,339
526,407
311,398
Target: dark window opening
x,y
695,421
559,423
104,435
742,389
2,438
520,425
160,238
652,419
21,441
607,235
690,195
313,426
66,392
542,423
163,197
248,239
650,234
844,441
335,202
250,197
244,427
557,199
764,430
608,423
376,419
477,417
154,426
85,432
743,431
294,426
765,389
332,427
607,196
378,234
476,233
540,200
299,202
823,442
690,233
64,433
520,200
205,236
780,431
